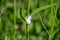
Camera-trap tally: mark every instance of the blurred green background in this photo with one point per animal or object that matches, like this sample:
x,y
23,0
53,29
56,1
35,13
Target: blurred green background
x,y
45,21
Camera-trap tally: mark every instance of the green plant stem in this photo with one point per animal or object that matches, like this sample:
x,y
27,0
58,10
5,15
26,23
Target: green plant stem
x,y
52,17
43,24
52,21
28,7
55,11
41,8
14,36
28,15
27,34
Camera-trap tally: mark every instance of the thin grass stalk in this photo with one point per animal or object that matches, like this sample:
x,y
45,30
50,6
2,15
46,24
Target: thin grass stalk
x,y
14,36
52,17
28,7
28,15
55,11
43,23
52,21
42,8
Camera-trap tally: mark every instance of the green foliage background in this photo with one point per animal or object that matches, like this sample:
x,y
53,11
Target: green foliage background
x,y
45,22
